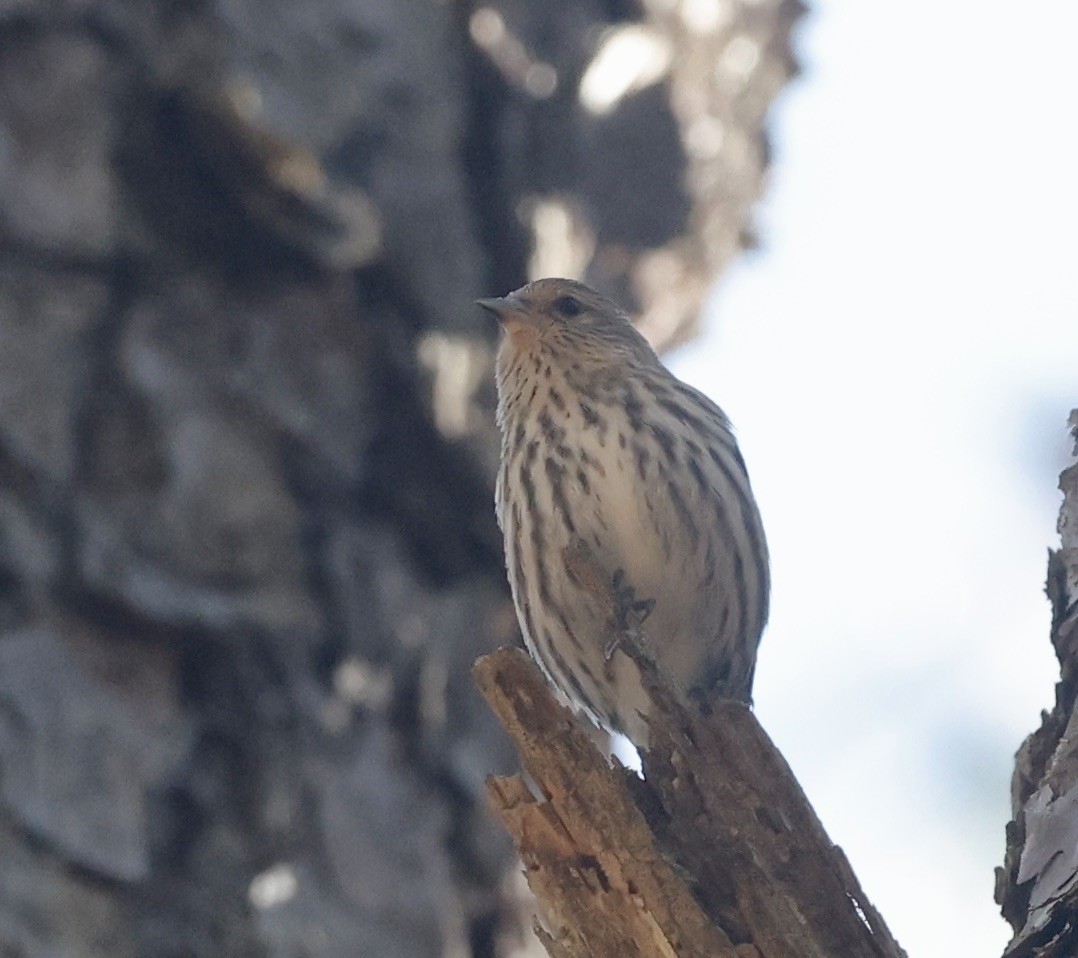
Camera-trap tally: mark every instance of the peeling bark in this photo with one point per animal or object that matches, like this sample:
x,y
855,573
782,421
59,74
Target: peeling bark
x,y
1037,887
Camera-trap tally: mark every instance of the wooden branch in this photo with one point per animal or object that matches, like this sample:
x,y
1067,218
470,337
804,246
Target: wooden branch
x,y
716,852
1037,888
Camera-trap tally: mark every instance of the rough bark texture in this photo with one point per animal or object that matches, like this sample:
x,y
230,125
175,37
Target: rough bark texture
x,y
247,551
1037,887
716,852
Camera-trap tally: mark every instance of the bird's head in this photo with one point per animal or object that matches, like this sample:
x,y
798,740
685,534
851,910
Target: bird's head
x,y
569,320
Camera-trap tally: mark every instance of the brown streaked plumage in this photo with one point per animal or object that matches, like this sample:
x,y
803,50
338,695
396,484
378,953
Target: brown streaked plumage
x,y
623,498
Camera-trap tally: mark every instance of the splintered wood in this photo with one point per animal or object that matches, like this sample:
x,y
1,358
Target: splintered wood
x,y
717,852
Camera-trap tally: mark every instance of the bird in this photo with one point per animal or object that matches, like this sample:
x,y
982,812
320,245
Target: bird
x,y
626,512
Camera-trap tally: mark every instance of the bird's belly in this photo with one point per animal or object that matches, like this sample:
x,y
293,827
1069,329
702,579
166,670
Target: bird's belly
x,y
621,522
584,522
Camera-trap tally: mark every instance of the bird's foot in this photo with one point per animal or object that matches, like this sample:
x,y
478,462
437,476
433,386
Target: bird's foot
x,y
629,615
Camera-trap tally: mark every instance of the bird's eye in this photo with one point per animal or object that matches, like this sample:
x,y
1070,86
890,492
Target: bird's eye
x,y
568,306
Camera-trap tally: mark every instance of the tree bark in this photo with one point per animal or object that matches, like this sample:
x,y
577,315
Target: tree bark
x,y
1037,887
247,547
715,852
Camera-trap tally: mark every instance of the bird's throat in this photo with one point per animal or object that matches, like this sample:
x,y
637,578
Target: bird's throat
x,y
521,336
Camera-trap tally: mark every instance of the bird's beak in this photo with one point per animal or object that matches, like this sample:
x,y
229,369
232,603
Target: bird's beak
x,y
500,306
515,316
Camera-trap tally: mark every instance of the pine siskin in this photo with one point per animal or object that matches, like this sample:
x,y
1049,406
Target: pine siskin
x,y
623,500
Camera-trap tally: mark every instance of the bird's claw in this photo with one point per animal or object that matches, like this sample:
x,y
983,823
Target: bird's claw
x,y
629,614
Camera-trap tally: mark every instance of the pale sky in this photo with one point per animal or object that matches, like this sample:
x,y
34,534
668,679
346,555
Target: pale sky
x,y
899,361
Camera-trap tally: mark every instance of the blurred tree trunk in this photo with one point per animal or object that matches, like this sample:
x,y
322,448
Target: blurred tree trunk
x,y
247,552
1037,887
